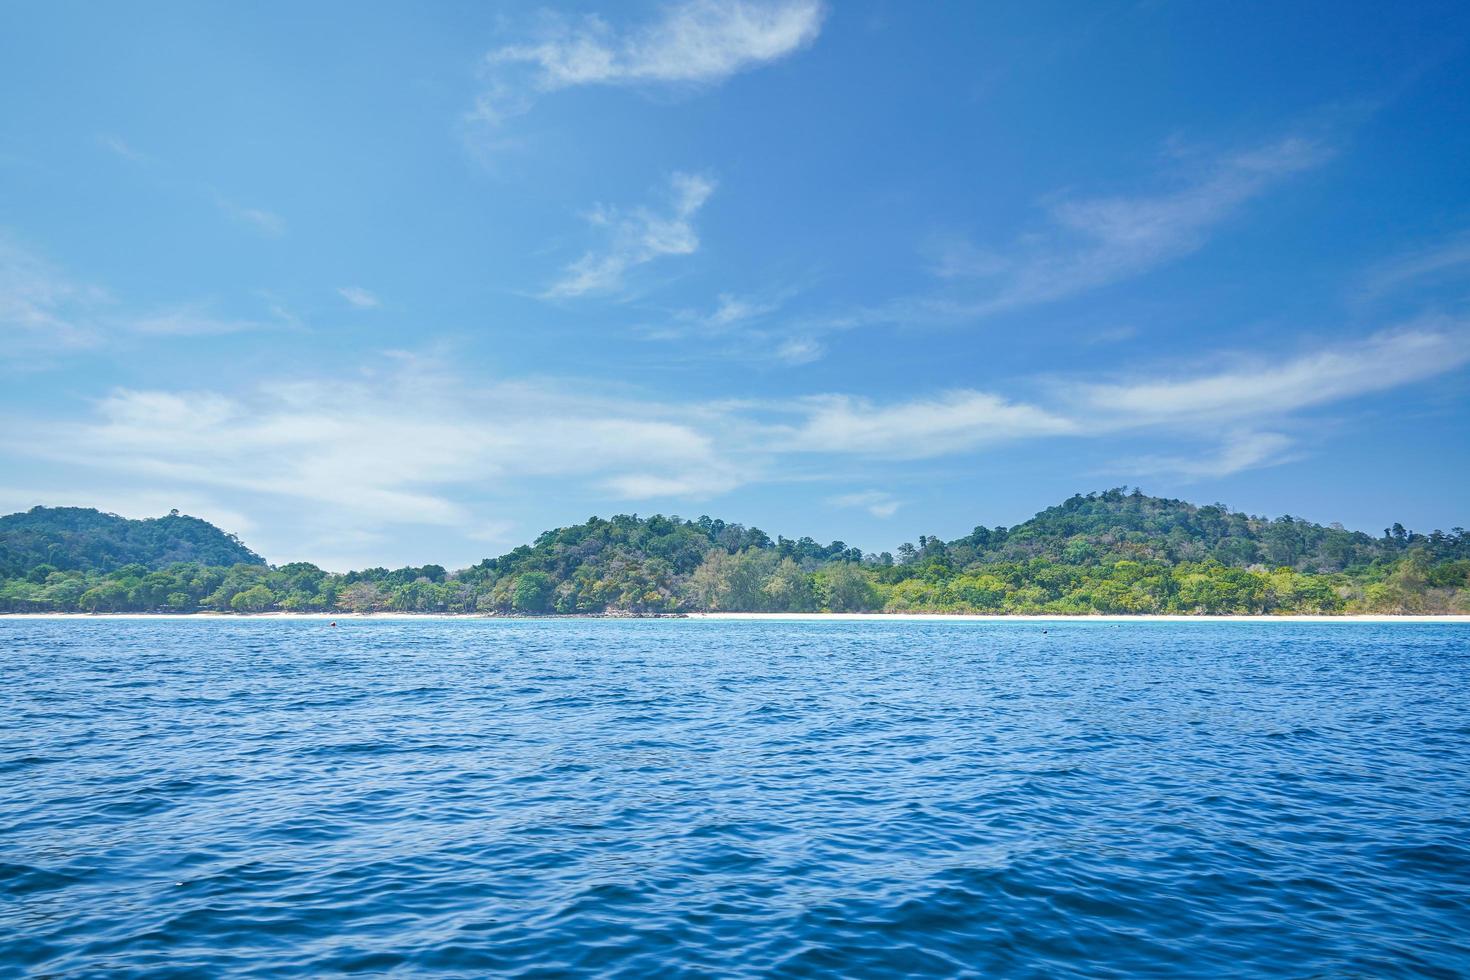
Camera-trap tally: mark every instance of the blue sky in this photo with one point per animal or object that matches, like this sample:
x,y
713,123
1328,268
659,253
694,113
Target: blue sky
x,y
392,283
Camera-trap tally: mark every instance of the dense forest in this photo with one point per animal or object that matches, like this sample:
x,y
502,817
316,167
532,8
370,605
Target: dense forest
x,y
73,539
1109,552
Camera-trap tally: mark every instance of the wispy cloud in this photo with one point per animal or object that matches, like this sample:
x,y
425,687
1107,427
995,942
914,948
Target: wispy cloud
x,y
1259,387
799,350
1444,262
1084,243
740,327
731,310
697,42
303,441
637,236
300,442
1249,400
44,311
495,532
875,502
122,148
953,422
197,320
41,308
359,297
1093,242
268,223
1238,452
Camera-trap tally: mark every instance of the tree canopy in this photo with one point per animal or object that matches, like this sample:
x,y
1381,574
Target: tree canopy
x,y
1111,552
83,539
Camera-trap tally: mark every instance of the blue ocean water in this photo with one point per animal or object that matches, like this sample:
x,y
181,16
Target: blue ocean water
x,y
687,798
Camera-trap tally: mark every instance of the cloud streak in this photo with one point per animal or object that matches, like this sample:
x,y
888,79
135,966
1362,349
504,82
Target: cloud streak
x,y
121,148
698,42
358,297
875,502
407,441
741,327
1261,388
268,223
1084,243
194,321
41,309
1238,452
953,422
1445,263
44,312
309,441
636,237
1093,242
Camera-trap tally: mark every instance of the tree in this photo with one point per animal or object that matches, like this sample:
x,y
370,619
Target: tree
x,y
847,589
789,589
257,598
107,597
746,575
360,597
532,593
708,585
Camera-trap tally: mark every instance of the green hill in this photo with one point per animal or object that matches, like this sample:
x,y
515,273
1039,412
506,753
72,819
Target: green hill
x,y
1109,552
1116,525
83,539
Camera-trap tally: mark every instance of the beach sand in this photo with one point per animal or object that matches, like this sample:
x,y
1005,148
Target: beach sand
x,y
762,617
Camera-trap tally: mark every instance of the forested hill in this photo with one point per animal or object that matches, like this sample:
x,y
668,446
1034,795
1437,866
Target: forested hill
x,y
1110,552
83,539
1116,525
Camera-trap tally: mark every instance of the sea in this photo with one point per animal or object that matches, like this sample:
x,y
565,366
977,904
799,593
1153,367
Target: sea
x,y
680,798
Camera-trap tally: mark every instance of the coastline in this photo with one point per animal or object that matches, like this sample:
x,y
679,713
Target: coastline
x,y
759,617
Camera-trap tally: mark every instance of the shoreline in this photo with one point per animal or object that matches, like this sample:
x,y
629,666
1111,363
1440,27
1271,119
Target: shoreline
x,y
759,617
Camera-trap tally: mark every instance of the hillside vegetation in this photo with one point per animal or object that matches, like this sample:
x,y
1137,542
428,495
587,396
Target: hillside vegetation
x,y
1110,552
81,539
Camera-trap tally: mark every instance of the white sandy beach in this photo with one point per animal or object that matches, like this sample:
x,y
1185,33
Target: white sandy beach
x,y
1098,618
759,617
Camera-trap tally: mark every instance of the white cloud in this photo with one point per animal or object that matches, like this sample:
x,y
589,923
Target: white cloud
x,y
691,43
799,350
1255,391
636,237
731,310
730,314
1239,452
875,502
648,486
359,297
41,309
1086,243
414,443
388,448
1447,261
122,148
192,321
427,431
1267,388
44,311
1093,242
268,223
953,422
740,328
497,532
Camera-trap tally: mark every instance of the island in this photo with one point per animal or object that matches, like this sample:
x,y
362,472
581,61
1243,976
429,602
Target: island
x,y
1112,552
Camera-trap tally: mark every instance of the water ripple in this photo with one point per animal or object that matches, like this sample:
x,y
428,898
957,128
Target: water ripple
x,y
461,798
